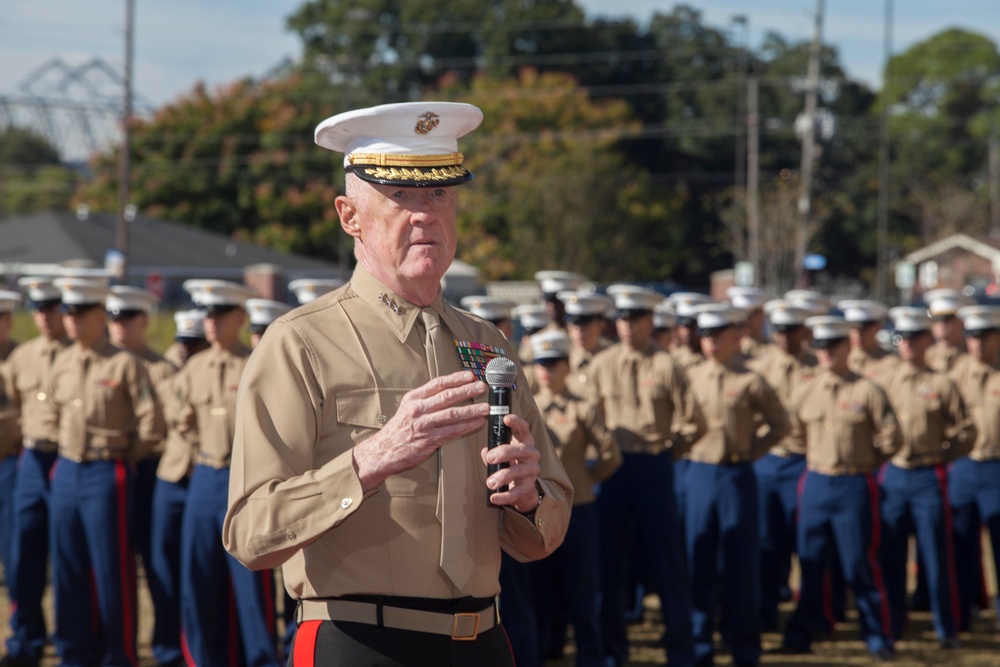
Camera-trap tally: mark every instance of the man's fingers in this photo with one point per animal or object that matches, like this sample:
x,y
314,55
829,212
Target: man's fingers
x,y
439,384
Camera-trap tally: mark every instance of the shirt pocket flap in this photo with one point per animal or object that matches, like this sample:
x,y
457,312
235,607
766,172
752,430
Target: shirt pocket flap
x,y
368,408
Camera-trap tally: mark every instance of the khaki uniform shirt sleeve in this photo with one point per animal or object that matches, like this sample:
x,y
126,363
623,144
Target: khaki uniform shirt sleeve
x,y
961,431
888,437
689,419
766,403
609,456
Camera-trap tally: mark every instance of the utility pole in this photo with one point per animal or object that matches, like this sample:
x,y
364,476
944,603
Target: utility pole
x,y
124,165
809,143
753,177
994,175
882,240
741,116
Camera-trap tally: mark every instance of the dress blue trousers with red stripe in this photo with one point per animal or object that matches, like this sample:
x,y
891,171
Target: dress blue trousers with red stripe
x,y
916,501
721,519
93,565
778,491
29,555
839,514
164,570
227,611
975,501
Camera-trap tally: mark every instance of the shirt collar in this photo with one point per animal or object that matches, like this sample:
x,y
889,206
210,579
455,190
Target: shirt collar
x,y
398,314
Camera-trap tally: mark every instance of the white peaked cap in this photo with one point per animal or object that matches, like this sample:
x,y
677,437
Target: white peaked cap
x,y
80,291
815,302
189,324
553,282
748,298
586,303
124,297
685,303
664,316
307,289
488,307
782,313
217,292
634,297
829,327
39,289
531,316
979,318
942,302
264,311
9,300
718,315
862,310
910,319
550,345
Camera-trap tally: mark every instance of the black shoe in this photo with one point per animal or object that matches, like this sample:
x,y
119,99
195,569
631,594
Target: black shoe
x,y
884,655
950,643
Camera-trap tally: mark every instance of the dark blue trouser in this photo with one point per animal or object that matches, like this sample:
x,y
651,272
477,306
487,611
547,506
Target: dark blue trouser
x,y
164,569
569,580
916,501
722,519
8,477
638,508
226,610
93,565
142,506
975,501
29,555
517,610
288,615
778,480
839,513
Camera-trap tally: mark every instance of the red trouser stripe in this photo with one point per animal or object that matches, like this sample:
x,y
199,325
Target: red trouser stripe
x,y
873,555
949,541
126,563
304,652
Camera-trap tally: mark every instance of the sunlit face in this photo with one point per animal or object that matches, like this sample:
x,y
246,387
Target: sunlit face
x,y
832,358
635,331
984,345
128,332
406,233
721,344
224,328
585,335
914,347
49,321
86,327
551,374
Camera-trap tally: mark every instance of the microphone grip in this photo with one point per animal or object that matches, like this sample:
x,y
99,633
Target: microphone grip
x,y
499,433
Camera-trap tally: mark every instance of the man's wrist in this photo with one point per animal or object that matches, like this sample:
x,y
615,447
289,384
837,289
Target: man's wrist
x,y
541,495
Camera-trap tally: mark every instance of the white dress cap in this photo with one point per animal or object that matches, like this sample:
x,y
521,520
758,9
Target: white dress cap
x,y
550,345
531,316
782,313
942,302
307,289
39,289
979,318
125,297
748,298
829,327
861,311
664,316
711,316
586,303
264,311
634,297
189,324
410,143
910,319
488,307
80,291
686,302
9,300
816,303
217,292
553,282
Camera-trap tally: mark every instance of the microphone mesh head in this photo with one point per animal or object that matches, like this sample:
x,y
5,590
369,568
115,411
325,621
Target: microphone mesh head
x,y
501,372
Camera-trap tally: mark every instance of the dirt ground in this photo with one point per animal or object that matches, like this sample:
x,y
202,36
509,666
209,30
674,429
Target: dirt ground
x,y
980,648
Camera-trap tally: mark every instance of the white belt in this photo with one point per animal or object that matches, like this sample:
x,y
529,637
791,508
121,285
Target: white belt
x,y
460,627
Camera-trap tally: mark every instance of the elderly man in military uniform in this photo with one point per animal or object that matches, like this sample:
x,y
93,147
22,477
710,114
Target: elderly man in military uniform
x,y
209,384
107,412
778,472
849,430
307,290
974,480
10,430
360,459
654,419
949,335
721,512
914,484
169,495
27,370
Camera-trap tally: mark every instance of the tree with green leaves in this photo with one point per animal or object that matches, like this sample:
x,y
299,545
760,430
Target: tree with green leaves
x,y
31,175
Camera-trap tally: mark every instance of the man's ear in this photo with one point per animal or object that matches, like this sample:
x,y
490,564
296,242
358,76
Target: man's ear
x,y
348,212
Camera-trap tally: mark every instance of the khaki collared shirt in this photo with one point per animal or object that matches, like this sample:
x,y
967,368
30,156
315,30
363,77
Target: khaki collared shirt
x,y
175,355
159,370
209,383
182,443
663,413
873,365
751,348
10,425
686,357
732,398
846,422
581,365
979,385
786,373
575,427
932,417
327,376
28,369
942,357
105,402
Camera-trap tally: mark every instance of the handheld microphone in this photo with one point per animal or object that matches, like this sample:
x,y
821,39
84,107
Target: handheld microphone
x,y
501,373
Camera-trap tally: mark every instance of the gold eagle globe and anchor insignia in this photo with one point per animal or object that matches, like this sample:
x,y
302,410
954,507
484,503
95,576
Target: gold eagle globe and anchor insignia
x,y
427,122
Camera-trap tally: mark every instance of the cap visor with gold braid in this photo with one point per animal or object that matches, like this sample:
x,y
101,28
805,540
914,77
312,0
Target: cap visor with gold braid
x,y
414,144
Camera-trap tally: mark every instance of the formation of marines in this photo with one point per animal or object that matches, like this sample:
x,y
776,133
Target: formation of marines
x,y
703,454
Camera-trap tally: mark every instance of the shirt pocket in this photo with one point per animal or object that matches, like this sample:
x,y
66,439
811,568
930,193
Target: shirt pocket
x,y
362,412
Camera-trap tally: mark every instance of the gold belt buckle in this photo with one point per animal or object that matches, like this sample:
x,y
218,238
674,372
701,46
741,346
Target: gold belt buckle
x,y
454,628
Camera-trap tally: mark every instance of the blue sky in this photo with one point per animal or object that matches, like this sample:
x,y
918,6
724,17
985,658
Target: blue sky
x,y
179,42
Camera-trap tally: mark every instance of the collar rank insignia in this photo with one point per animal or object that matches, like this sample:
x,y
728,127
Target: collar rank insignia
x,y
390,303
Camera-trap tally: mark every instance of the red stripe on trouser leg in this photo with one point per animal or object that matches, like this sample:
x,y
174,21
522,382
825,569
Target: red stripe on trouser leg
x,y
304,651
873,555
949,542
126,563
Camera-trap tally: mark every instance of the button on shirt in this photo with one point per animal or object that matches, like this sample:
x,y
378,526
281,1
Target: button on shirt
x,y
105,402
846,423
574,426
210,382
732,397
651,410
785,373
979,385
28,369
327,376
